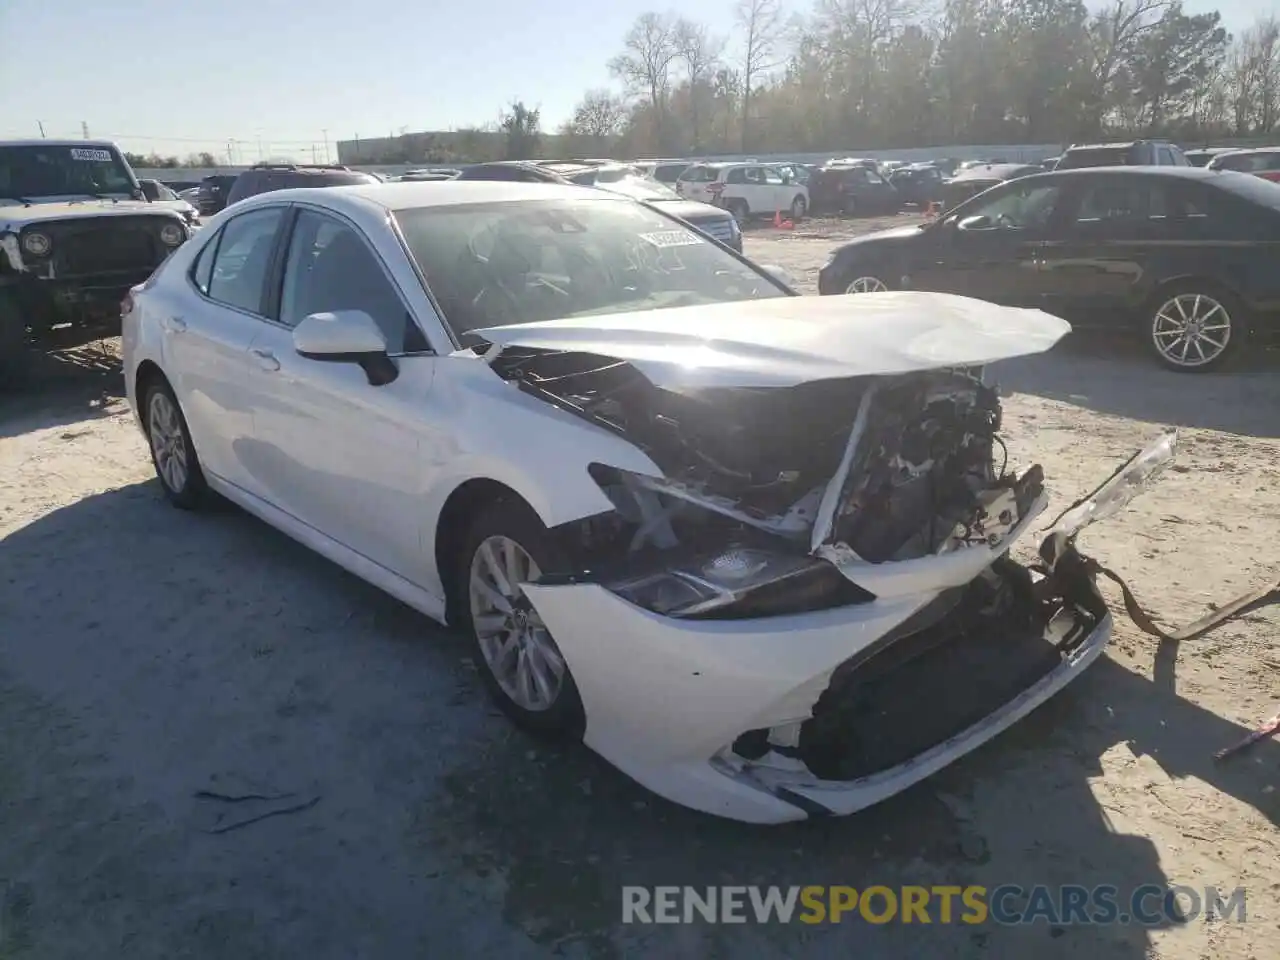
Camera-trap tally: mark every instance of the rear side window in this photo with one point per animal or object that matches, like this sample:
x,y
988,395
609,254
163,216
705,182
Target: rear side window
x,y
736,176
697,174
669,173
242,258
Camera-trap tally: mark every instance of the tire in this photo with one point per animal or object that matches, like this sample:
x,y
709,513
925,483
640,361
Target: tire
x,y
1195,325
546,701
15,363
865,281
172,453
799,207
849,206
739,209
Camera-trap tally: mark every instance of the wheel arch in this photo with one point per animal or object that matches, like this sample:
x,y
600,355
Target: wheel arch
x,y
460,509
148,372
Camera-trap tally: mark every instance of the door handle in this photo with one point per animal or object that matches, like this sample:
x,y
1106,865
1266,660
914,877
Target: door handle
x,y
266,359
175,325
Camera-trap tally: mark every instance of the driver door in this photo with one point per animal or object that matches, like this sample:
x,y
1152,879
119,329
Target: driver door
x,y
345,457
997,258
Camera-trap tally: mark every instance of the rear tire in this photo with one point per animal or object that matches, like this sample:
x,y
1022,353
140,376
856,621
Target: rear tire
x,y
522,668
15,362
172,452
1195,325
739,209
799,207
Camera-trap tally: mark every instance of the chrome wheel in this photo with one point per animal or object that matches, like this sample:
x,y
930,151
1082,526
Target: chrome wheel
x,y
168,443
1191,330
515,643
867,285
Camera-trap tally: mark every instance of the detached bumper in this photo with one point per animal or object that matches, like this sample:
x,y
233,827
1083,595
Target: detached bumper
x,y
666,699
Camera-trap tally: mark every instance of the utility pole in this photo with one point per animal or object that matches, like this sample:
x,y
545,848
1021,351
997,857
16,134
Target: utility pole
x,y
313,154
326,145
40,124
84,128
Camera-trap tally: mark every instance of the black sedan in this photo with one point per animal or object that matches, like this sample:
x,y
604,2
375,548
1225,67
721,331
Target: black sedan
x,y
1186,257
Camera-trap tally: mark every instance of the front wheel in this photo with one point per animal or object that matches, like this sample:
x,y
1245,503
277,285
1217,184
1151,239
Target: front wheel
x,y
739,209
866,283
1195,327
522,666
172,452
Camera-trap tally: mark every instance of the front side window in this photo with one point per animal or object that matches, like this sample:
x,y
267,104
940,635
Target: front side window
x,y
1121,201
1019,207
521,262
62,171
329,267
242,259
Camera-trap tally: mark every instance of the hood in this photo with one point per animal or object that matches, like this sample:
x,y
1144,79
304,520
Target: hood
x,y
896,235
785,341
691,210
20,215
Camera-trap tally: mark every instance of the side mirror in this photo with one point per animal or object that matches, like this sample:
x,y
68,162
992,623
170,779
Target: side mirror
x,y
980,222
150,191
346,336
777,273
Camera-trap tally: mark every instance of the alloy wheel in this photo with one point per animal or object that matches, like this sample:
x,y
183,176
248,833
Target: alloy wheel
x,y
1191,330
515,642
168,443
867,285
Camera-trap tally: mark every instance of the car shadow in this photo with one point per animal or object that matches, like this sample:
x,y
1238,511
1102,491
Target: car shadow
x,y
63,386
1116,376
180,647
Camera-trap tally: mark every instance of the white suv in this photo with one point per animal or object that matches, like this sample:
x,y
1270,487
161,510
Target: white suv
x,y
745,189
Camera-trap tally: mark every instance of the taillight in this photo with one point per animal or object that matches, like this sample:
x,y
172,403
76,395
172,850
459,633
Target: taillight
x,y
715,188
1272,175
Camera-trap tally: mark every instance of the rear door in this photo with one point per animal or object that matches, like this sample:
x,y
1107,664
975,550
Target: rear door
x,y
207,338
1094,266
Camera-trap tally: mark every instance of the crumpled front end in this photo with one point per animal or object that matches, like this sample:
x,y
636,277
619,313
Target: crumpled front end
x,y
813,607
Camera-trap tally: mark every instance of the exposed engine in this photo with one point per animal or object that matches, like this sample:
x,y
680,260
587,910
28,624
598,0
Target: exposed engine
x,y
918,460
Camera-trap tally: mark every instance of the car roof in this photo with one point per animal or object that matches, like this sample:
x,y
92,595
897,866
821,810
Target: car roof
x,y
431,193
92,144
1185,173
1232,151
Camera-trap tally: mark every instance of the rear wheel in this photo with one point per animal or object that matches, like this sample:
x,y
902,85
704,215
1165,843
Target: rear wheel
x,y
172,452
799,207
1195,326
521,665
14,361
739,209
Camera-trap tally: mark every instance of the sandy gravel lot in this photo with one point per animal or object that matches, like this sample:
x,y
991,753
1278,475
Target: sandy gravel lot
x,y
146,655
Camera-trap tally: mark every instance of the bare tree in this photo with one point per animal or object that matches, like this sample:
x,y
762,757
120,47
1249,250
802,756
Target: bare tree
x,y
700,53
1113,34
596,122
762,25
1253,77
644,66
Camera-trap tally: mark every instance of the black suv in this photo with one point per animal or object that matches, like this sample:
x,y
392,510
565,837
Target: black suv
x,y
1134,153
213,193
268,177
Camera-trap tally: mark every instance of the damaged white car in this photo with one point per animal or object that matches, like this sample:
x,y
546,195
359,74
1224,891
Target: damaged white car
x,y
751,547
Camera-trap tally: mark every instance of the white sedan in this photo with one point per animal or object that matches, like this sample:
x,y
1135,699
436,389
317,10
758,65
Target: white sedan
x,y
751,547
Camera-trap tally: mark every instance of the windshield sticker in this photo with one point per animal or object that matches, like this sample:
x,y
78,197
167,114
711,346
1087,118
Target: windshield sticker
x,y
80,153
672,238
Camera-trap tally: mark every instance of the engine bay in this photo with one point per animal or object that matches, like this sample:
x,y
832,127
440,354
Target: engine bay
x,y
878,468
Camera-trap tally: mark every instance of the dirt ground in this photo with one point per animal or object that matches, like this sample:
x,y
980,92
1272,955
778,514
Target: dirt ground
x,y
147,654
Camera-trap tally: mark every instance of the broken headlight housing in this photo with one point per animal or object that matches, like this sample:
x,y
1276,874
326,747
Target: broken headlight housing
x,y
740,582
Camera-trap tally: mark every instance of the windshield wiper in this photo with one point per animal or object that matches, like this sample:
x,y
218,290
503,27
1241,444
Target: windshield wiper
x,y
23,200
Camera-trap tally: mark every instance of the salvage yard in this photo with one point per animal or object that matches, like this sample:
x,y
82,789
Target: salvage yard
x,y
149,655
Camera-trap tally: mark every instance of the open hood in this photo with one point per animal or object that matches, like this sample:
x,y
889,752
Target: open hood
x,y
785,341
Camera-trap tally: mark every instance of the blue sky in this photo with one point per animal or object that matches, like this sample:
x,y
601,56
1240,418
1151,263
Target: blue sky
x,y
177,77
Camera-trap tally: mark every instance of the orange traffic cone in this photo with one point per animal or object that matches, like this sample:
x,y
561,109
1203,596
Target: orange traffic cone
x,y
777,219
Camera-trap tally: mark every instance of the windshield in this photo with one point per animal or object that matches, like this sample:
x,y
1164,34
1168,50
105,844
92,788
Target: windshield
x,y
521,262
638,188
62,170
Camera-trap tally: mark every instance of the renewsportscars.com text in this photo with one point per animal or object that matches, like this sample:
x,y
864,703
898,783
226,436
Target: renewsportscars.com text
x,y
1009,904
